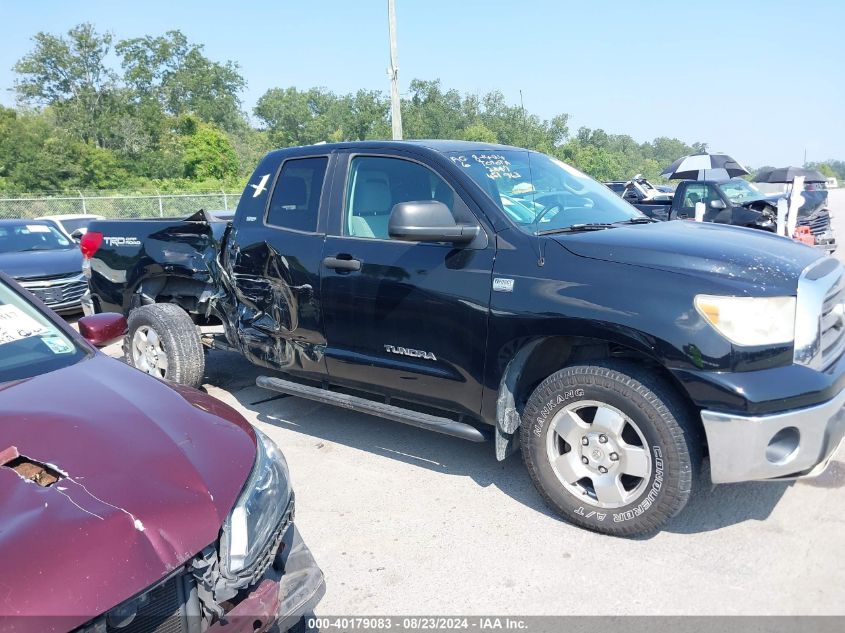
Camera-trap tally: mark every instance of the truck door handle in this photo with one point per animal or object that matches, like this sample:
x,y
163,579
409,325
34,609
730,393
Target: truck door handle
x,y
338,263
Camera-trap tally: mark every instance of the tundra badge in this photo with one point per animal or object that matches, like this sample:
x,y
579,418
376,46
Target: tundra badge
x,y
413,353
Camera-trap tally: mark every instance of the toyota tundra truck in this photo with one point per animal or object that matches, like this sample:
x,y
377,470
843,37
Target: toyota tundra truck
x,y
497,294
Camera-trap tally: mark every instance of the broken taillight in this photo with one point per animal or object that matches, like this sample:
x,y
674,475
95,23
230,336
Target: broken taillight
x,y
90,243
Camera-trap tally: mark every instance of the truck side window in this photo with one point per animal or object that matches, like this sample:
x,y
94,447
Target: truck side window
x,y
296,196
631,195
695,192
376,184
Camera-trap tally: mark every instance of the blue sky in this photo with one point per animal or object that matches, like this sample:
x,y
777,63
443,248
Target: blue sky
x,y
761,80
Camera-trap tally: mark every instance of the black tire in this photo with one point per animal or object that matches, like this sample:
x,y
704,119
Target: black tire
x,y
661,420
179,340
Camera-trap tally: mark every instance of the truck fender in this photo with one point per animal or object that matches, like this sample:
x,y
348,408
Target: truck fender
x,y
508,418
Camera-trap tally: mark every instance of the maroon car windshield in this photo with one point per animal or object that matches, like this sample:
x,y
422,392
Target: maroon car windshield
x,y
30,343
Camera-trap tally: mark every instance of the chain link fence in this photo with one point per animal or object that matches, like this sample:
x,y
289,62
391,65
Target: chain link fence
x,y
168,205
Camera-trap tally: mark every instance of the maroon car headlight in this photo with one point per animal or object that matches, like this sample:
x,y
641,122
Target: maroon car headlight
x,y
254,520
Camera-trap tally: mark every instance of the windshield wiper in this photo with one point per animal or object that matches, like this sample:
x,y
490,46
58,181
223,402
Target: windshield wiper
x,y
575,228
637,221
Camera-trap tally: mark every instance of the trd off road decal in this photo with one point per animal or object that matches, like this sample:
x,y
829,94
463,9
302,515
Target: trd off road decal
x,y
122,241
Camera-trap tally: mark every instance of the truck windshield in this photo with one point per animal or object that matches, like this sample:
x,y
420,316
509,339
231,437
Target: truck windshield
x,y
17,237
542,194
741,191
30,344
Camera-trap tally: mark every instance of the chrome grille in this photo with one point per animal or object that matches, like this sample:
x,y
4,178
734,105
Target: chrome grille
x,y
833,324
820,314
819,222
57,291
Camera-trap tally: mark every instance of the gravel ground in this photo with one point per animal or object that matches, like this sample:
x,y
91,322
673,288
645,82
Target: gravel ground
x,y
404,521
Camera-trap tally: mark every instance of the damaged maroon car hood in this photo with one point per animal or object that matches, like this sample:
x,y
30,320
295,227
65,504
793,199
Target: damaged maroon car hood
x,y
150,474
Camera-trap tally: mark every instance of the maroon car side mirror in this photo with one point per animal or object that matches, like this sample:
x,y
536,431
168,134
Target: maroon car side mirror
x,y
102,329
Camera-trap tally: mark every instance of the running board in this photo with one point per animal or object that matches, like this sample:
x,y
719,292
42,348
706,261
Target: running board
x,y
414,418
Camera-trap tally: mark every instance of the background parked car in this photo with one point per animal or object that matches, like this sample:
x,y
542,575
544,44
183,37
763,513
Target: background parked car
x,y
45,261
74,225
134,505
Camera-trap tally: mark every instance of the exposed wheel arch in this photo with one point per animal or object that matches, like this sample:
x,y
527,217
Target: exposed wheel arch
x,y
540,357
192,295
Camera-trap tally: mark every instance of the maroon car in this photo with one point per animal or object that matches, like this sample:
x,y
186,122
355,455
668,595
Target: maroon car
x,y
129,504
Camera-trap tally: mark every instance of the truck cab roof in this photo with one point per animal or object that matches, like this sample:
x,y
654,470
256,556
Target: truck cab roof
x,y
441,146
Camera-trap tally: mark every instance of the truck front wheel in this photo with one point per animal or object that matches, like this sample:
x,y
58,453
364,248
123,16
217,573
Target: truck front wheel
x,y
610,447
162,340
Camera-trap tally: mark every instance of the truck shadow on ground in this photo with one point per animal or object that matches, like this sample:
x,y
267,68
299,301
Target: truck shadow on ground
x,y
710,508
713,507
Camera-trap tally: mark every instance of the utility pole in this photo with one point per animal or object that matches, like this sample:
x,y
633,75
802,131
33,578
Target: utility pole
x,y
393,73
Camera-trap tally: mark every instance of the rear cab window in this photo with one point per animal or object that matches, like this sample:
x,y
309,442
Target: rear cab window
x,y
295,202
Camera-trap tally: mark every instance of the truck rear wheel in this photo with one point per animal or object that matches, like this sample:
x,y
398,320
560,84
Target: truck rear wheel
x,y
162,341
610,448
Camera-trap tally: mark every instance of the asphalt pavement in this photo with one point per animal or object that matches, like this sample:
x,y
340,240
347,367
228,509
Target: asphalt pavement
x,y
405,521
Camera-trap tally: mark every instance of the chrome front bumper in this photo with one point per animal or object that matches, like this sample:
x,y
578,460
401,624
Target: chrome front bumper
x,y
788,445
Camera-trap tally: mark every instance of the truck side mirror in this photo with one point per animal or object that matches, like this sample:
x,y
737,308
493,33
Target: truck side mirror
x,y
77,235
102,329
428,221
718,205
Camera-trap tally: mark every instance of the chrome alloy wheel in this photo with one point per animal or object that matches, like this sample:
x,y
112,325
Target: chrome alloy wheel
x,y
148,354
598,454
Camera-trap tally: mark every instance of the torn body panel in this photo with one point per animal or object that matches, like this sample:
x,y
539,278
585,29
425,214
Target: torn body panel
x,y
270,303
261,284
162,254
29,469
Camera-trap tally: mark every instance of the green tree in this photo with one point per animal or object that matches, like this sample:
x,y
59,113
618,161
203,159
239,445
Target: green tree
x,y
830,168
207,153
176,75
594,160
479,132
97,167
69,74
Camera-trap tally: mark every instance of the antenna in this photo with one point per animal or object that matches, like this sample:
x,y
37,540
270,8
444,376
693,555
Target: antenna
x,y
393,73
524,120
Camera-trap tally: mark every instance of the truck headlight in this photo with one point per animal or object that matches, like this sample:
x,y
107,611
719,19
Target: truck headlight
x,y
253,521
750,320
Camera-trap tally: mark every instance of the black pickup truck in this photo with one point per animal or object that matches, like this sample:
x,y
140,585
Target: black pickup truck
x,y
492,293
733,202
